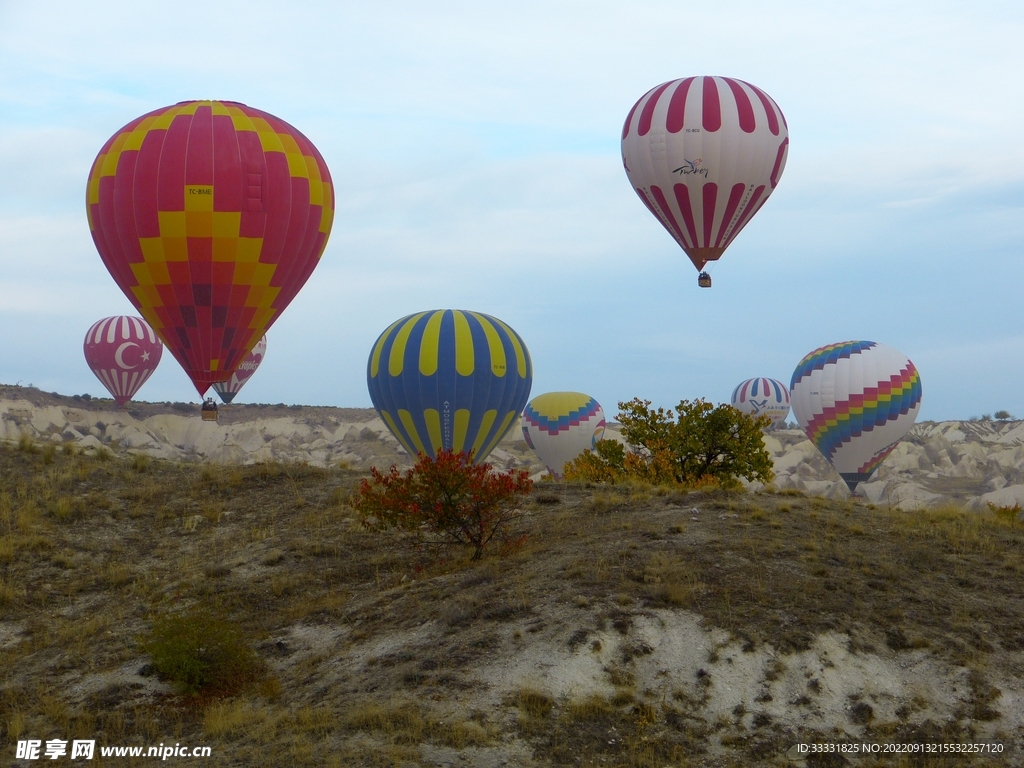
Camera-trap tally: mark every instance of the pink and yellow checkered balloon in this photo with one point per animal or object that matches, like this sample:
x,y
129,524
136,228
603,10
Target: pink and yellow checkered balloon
x,y
210,216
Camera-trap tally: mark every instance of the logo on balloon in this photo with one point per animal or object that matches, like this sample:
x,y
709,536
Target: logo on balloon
x,y
692,167
447,421
119,356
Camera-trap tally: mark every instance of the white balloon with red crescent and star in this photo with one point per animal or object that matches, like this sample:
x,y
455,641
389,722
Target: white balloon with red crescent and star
x,y
123,352
704,154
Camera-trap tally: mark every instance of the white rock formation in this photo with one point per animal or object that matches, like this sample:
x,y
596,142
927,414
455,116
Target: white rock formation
x,y
964,462
359,442
973,463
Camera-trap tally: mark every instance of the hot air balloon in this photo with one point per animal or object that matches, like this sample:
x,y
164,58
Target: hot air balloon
x,y
228,389
123,352
559,426
856,400
210,216
762,397
704,154
449,379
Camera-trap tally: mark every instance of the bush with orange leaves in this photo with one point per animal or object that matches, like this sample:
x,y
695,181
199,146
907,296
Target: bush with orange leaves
x,y
447,501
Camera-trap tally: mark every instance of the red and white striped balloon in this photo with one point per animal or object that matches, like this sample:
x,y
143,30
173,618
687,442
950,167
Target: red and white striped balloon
x,y
123,352
228,389
704,154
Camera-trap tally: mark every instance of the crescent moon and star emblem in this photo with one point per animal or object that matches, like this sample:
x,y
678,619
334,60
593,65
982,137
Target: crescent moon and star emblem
x,y
118,356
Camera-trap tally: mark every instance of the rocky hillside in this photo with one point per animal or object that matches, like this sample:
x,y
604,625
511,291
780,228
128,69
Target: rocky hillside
x,y
634,626
967,462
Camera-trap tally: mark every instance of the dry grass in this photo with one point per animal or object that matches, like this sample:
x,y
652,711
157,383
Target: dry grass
x,y
620,730
92,548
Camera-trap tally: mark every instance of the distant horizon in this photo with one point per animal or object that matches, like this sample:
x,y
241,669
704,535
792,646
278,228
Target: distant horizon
x,y
790,425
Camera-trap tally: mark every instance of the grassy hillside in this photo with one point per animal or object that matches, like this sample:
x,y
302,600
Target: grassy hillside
x,y
638,626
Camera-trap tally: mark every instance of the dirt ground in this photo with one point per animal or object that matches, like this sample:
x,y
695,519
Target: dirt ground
x,y
638,626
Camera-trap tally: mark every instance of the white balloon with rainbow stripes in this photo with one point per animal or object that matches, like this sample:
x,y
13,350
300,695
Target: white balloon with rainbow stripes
x,y
856,400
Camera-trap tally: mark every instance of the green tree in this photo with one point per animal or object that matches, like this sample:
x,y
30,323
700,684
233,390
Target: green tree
x,y
604,464
698,444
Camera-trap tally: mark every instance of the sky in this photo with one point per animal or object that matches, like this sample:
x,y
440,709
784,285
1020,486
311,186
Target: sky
x,y
474,149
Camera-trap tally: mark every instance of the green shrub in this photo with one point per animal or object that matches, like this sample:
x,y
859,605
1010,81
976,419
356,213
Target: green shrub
x,y
701,445
201,653
604,464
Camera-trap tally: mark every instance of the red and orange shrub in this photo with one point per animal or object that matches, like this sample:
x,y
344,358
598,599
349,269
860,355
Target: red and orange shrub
x,y
447,501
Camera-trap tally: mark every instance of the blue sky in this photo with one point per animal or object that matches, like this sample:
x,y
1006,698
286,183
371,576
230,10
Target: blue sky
x,y
475,153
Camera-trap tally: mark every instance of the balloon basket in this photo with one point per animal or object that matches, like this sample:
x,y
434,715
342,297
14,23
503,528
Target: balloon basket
x,y
209,410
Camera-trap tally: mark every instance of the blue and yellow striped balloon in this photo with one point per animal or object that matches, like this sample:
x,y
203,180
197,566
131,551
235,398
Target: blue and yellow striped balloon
x,y
449,379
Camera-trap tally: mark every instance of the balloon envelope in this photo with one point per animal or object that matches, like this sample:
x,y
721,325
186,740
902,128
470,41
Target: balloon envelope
x,y
210,216
228,389
762,397
123,352
704,154
559,426
449,379
856,400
